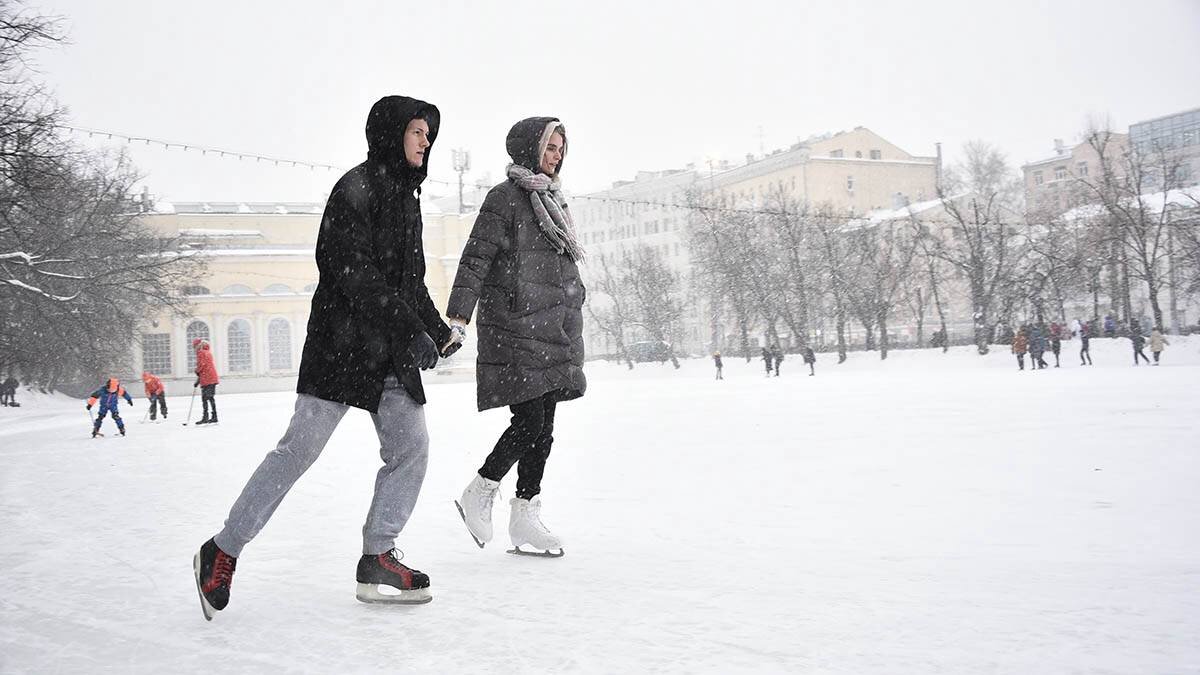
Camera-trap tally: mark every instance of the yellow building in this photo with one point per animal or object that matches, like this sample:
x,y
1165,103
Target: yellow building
x,y
853,171
253,301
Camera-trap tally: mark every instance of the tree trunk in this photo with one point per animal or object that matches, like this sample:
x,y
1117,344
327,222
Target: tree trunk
x,y
883,335
841,329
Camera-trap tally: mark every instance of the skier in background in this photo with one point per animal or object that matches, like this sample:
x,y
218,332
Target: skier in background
x,y
1138,340
810,358
108,395
777,355
717,362
1157,342
767,358
1020,345
1085,350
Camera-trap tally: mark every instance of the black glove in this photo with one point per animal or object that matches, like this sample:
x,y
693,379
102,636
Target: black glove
x,y
89,406
422,351
197,384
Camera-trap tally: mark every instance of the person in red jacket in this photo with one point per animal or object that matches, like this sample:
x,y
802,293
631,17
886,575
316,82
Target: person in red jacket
x,y
156,393
206,379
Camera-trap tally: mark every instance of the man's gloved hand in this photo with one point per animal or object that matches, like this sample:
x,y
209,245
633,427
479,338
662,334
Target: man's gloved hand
x,y
423,351
458,335
197,384
89,406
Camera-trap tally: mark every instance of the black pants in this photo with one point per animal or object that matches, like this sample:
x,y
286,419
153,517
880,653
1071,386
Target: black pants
x,y
1021,361
161,400
719,377
1137,351
525,443
208,396
1155,355
1085,355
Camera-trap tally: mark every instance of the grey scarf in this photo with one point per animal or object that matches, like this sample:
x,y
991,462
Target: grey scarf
x,y
550,207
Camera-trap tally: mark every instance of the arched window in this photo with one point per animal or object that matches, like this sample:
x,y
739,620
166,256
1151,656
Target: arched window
x,y
195,329
279,344
239,346
277,289
237,289
195,290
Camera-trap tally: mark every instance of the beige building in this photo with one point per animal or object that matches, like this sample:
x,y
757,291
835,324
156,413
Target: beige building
x,y
855,172
1053,184
253,302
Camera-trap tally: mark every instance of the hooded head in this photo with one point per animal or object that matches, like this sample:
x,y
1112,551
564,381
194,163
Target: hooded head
x,y
386,124
527,141
146,376
113,384
199,343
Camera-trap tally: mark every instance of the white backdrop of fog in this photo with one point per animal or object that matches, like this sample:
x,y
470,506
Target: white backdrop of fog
x,y
640,85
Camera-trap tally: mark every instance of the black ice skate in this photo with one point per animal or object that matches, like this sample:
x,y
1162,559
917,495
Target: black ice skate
x,y
214,577
411,587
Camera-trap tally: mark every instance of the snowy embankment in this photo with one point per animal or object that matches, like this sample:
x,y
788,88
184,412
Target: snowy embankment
x,y
932,513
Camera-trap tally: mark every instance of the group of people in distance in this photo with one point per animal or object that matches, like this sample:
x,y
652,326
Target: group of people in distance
x,y
1036,339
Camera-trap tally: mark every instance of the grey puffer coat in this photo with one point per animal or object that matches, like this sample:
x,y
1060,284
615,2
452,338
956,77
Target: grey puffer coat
x,y
529,296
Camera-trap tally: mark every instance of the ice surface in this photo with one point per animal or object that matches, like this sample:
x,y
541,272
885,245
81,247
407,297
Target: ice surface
x,y
931,513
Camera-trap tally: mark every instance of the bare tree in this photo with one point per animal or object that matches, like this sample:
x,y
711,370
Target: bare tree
x,y
883,254
654,294
78,272
612,314
1135,189
979,239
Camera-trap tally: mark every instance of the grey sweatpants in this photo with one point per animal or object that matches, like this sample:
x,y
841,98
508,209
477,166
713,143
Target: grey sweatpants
x,y
403,445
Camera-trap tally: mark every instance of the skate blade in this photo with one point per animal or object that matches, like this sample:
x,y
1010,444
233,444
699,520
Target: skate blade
x,y
208,609
463,515
517,550
370,593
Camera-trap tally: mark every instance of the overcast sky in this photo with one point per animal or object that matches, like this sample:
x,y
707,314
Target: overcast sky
x,y
640,85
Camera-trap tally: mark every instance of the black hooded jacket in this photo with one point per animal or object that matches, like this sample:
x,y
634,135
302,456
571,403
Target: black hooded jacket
x,y
371,300
530,296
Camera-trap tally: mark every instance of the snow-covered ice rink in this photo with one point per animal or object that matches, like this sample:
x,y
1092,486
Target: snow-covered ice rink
x,y
932,513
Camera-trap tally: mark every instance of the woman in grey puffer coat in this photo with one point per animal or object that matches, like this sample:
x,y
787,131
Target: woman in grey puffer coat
x,y
519,266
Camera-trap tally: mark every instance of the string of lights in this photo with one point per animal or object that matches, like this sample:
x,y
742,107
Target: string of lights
x,y
240,155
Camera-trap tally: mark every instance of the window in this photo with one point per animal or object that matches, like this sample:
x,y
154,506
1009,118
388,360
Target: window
x,y
237,289
835,153
279,345
277,289
195,329
156,352
850,183
858,154
1037,178
195,290
1060,173
875,154
239,346
1081,169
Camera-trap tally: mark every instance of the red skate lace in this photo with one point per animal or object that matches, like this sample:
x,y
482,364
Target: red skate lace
x,y
223,569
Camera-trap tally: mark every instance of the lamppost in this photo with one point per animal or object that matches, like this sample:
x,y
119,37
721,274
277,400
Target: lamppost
x,y
462,164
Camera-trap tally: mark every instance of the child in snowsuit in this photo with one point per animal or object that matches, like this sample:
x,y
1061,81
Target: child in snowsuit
x,y
206,379
108,396
1157,342
718,364
156,393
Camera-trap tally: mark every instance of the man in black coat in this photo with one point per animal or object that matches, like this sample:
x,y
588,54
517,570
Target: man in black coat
x,y
373,325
